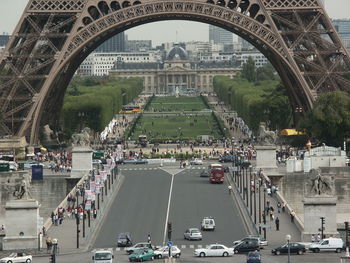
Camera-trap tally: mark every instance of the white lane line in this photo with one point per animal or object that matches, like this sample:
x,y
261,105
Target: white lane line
x,y
200,246
183,246
167,212
191,246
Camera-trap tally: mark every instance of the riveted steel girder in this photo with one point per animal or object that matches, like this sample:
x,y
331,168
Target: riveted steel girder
x,y
53,37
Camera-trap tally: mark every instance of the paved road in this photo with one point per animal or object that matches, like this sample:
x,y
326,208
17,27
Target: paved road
x,y
141,207
194,198
187,257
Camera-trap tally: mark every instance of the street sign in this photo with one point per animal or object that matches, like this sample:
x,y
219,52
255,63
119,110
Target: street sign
x,y
169,244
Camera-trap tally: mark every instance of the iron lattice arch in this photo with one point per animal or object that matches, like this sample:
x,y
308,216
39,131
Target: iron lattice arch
x,y
53,37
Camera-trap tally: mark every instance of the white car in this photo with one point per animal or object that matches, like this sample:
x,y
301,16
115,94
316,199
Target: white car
x,y
163,252
214,250
196,162
17,257
193,234
208,223
130,250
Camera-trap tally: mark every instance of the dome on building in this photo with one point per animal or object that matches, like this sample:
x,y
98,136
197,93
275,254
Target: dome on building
x,y
177,53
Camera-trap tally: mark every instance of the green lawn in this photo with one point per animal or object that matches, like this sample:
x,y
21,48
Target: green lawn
x,y
176,127
166,104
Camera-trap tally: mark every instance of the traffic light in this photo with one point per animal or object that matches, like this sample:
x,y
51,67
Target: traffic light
x,y
169,230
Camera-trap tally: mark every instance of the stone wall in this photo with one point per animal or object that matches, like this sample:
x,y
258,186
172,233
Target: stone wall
x,y
292,189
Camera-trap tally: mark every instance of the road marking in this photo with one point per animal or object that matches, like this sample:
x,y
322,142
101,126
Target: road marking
x,y
168,210
183,246
191,246
199,246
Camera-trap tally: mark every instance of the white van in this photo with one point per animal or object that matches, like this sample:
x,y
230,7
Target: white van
x,y
208,223
103,256
328,244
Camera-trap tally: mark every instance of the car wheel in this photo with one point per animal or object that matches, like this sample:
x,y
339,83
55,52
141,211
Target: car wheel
x,y
152,258
278,252
338,250
317,250
160,256
177,255
236,251
225,254
9,261
300,252
141,259
202,254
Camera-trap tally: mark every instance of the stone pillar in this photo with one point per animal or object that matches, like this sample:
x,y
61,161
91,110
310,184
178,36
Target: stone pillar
x,y
81,161
266,159
315,208
22,224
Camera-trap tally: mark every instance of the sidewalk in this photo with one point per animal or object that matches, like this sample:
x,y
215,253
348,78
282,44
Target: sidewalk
x,y
66,233
286,227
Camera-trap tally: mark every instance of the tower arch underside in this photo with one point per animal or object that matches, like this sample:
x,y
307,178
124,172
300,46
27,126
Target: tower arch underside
x,y
102,19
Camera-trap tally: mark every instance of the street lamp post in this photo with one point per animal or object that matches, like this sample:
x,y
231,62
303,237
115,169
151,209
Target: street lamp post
x,y
288,237
264,212
259,195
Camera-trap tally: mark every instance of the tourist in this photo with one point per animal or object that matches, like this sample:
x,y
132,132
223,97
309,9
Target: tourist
x,y
277,222
292,215
313,238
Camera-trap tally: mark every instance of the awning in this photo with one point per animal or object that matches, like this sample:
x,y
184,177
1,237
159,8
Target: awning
x,y
291,132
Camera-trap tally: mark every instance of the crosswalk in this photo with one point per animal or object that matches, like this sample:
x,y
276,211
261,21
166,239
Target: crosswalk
x,y
157,168
179,246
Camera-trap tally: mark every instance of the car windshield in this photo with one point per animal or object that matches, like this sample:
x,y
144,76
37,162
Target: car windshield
x,y
12,255
103,256
122,236
195,231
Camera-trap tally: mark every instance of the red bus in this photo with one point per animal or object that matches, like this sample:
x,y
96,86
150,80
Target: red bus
x,y
216,173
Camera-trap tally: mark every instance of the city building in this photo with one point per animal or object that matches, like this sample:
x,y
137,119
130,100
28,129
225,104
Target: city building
x,y
217,35
259,59
342,26
99,64
114,44
138,45
176,73
4,39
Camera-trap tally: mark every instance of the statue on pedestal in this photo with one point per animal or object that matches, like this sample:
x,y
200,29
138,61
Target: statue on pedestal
x,y
83,138
22,190
266,137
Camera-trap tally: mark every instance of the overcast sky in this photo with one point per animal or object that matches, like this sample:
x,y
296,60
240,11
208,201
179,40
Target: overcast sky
x,y
159,32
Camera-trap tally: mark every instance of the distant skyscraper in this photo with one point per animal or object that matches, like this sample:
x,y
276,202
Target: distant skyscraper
x,y
342,26
4,39
138,45
218,35
114,44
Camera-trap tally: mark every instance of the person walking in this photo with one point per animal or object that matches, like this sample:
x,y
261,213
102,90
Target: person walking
x,y
292,215
279,207
283,207
277,222
313,238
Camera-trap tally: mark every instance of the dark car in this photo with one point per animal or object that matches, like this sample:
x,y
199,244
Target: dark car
x,y
246,246
254,257
227,159
134,161
295,248
124,240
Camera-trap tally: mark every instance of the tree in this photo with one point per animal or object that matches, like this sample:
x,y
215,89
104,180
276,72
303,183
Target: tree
x,y
249,70
266,72
329,120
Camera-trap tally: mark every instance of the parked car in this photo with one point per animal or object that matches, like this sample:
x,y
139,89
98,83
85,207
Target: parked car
x,y
124,240
196,161
142,254
193,234
295,248
246,246
214,250
208,223
254,257
163,252
227,159
262,241
328,244
17,257
134,161
130,250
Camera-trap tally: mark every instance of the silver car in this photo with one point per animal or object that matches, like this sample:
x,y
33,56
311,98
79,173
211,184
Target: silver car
x,y
193,234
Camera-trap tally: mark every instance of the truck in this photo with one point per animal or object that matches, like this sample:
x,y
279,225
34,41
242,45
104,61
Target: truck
x,y
216,173
103,256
